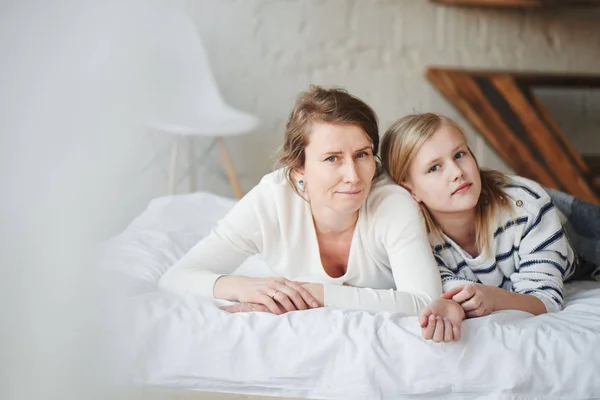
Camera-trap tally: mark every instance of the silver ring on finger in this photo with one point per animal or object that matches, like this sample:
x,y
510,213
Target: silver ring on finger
x,y
274,293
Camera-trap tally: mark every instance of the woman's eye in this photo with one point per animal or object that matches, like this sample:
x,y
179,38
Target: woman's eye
x,y
362,155
331,159
434,168
460,154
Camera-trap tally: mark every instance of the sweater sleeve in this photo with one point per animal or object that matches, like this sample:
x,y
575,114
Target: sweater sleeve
x,y
543,255
398,226
449,278
236,236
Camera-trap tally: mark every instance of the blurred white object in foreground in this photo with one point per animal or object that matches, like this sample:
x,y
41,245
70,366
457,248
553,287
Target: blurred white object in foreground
x,y
72,95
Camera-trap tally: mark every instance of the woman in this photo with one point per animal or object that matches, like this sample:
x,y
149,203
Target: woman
x,y
335,230
497,239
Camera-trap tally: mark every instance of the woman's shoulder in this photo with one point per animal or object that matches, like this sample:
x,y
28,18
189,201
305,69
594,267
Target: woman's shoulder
x,y
276,178
272,189
387,197
274,183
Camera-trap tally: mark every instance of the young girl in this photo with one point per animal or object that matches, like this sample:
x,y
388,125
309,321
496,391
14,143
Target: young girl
x,y
497,239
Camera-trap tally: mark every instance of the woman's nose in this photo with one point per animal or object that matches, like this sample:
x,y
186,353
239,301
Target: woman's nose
x,y
350,172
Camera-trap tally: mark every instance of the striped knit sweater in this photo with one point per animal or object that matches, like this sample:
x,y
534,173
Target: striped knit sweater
x,y
530,253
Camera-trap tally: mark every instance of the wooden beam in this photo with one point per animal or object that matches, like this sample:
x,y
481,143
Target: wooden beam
x,y
543,140
560,136
507,114
492,3
531,78
593,161
521,3
462,90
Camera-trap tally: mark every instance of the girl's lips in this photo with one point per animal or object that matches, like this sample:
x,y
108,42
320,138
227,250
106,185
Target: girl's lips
x,y
462,188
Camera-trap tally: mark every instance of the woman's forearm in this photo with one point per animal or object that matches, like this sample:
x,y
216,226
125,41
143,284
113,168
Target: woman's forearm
x,y
375,300
188,281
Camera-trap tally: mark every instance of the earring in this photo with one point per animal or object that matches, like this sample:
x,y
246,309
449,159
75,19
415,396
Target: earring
x,y
301,182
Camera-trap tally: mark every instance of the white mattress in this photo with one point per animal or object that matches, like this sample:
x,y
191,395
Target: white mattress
x,y
189,343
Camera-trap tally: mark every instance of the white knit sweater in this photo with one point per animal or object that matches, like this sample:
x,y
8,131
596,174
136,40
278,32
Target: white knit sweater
x,y
530,253
390,266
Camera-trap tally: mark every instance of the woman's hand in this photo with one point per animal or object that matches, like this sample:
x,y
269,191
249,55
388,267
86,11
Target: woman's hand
x,y
475,299
276,295
441,321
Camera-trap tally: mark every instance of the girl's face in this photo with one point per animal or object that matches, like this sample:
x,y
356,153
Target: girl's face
x,y
444,175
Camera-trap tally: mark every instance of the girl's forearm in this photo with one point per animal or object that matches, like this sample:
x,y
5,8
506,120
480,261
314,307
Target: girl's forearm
x,y
506,300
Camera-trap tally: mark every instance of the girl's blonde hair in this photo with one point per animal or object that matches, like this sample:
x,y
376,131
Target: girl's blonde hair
x,y
400,144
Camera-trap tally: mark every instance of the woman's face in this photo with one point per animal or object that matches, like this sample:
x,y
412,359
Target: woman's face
x,y
339,167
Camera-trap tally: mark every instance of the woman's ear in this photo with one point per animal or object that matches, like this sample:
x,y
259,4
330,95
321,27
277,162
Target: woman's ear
x,y
407,185
298,173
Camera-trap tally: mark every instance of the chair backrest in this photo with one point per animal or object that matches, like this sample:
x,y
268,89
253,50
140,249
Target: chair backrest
x,y
178,69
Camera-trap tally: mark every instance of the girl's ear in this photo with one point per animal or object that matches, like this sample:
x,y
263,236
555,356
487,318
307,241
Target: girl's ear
x,y
406,185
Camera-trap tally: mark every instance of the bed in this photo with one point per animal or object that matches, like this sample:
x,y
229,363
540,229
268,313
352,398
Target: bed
x,y
186,343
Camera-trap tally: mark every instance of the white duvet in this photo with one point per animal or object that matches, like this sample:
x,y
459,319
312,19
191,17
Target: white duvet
x,y
189,343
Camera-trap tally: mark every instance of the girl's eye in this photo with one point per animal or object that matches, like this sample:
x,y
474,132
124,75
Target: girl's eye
x,y
434,168
460,154
331,159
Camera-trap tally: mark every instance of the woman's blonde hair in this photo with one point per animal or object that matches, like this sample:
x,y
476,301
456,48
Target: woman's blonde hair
x,y
400,144
331,106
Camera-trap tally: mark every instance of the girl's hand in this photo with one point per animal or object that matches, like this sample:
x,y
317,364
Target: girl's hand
x,y
441,321
245,307
278,295
475,299
317,291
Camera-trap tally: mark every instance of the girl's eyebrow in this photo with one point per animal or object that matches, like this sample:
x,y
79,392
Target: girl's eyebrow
x,y
436,160
458,147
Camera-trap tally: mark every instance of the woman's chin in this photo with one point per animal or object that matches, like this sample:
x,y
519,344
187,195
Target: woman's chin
x,y
349,208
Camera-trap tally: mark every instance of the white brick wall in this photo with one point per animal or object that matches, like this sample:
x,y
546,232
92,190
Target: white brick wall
x,y
264,52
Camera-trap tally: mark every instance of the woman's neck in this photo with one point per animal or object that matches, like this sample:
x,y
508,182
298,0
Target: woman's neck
x,y
328,222
460,227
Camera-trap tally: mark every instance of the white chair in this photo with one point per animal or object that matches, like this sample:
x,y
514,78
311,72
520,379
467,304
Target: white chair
x,y
190,104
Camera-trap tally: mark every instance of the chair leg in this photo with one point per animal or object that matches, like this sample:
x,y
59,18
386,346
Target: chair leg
x,y
173,170
192,165
226,159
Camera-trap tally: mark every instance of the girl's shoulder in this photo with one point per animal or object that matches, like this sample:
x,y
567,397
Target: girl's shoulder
x,y
527,194
523,186
439,243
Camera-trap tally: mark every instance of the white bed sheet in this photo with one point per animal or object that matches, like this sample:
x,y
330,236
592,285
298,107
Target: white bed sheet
x,y
189,343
